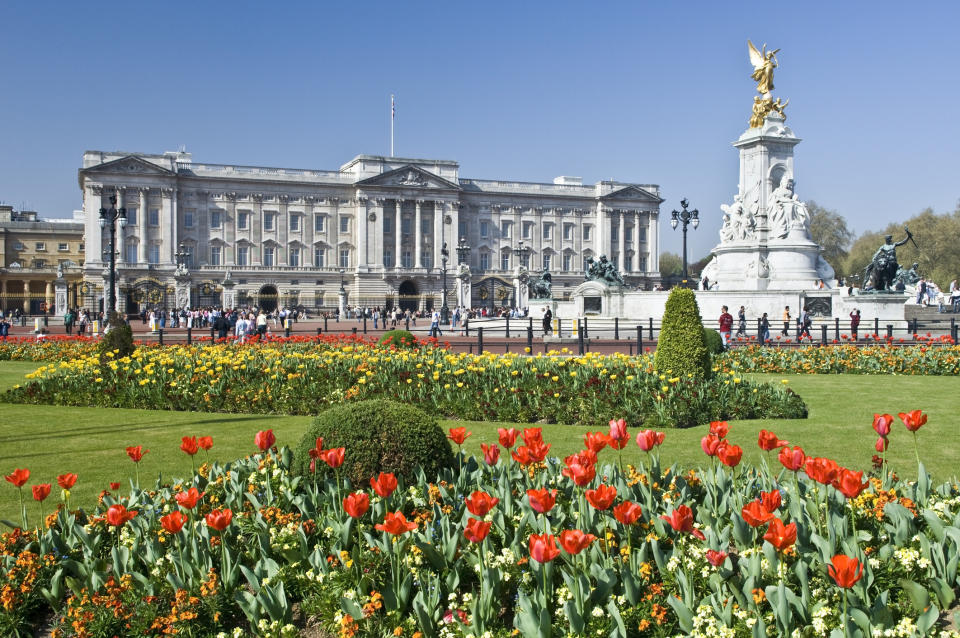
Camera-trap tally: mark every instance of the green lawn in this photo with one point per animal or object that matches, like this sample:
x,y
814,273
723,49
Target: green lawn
x,y
51,440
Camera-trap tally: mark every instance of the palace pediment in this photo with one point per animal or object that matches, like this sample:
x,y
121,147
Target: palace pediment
x,y
409,176
130,165
633,194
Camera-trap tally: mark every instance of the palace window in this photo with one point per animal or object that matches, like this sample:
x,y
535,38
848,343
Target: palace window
x,y
586,232
567,262
243,255
132,216
505,260
505,229
268,219
406,225
154,217
426,258
153,254
425,225
547,231
63,246
527,230
40,245
319,224
269,256
388,258
19,246
294,224
130,253
344,224
484,229
643,264
243,220
387,224
614,232
216,255
293,256
568,231
216,219
406,259
344,257
484,261
643,233
462,228
546,262
187,219
525,259
319,257
628,263
39,263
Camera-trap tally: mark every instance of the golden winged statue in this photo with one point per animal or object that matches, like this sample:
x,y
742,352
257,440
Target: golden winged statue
x,y
764,62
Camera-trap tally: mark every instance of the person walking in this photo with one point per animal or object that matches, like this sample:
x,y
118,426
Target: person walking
x,y
546,320
435,324
786,322
805,323
741,322
726,325
68,321
764,330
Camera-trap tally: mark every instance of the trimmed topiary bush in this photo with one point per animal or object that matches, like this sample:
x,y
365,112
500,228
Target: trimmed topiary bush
x,y
713,341
399,338
118,340
681,349
379,436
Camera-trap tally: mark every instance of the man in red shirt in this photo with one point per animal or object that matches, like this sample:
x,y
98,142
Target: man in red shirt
x,y
726,324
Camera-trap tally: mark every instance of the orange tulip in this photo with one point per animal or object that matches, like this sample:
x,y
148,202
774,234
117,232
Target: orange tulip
x,y
627,513
265,440
173,522
755,514
396,524
768,441
41,492
507,437
189,499
574,541
542,500
491,453
792,458
334,456
67,481
219,519
459,435
914,419
781,536
845,571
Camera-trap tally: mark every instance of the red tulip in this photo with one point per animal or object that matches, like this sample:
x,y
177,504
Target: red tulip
x,y
334,456
264,440
205,443
41,492
792,458
768,441
508,437
709,444
882,444
781,536
491,453
627,513
583,457
532,436
396,524
539,450
543,547
523,456
542,500
845,571
822,470
602,497
581,474
595,441
719,429
574,541
190,445
136,452
648,439
476,530
459,435
384,484
219,519
681,520
882,424
771,500
67,481
730,455
480,503
189,499
173,522
755,514
316,452
914,419
356,504
114,486
19,477
117,515
619,437
716,558
850,483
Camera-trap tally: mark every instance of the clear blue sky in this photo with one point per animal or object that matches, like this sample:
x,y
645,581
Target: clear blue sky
x,y
644,92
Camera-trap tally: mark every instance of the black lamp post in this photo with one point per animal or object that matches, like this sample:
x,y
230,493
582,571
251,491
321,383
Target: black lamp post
x,y
342,289
685,217
444,310
181,256
523,254
110,217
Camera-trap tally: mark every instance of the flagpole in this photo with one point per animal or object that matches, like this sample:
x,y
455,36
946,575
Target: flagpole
x,y
393,112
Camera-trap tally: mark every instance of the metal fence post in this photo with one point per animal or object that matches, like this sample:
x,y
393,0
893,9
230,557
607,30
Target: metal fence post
x,y
876,325
160,336
651,328
189,335
559,328
319,331
586,328
213,337
364,323
580,339
639,340
508,327
480,340
466,327
530,339
823,334
325,324
616,328
890,330
354,331
836,328
760,331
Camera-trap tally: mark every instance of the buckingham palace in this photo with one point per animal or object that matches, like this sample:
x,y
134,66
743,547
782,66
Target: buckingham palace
x,y
210,234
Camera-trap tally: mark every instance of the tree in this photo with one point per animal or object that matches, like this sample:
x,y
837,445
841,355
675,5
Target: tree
x,y
671,265
935,250
829,229
681,349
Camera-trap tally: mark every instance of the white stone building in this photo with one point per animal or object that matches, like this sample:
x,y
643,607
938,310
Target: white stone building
x,y
289,236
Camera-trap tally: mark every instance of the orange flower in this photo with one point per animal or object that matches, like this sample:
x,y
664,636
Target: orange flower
x,y
845,571
574,541
781,536
396,523
117,515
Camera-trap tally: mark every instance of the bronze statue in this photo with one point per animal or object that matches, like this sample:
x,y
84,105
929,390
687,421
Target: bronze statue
x,y
882,269
764,62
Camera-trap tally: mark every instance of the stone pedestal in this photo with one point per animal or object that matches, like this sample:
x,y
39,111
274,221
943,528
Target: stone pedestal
x,y
342,302
463,287
229,292
596,298
60,296
765,241
182,291
521,288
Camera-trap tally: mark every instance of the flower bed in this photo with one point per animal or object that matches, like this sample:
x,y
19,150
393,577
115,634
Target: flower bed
x,y
50,348
934,358
300,377
515,543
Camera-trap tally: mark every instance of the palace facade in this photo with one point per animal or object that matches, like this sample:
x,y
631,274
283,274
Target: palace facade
x,y
376,226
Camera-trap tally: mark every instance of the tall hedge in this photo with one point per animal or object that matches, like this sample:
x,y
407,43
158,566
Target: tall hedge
x,y
681,349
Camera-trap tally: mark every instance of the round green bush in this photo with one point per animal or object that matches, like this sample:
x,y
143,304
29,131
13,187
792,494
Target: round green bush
x,y
398,338
118,340
379,436
713,341
681,349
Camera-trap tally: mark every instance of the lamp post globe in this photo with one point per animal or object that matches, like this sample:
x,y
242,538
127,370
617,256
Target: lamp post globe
x,y
683,218
110,217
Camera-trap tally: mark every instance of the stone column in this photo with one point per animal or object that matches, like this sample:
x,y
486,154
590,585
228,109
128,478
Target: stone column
x,y
48,294
166,228
398,232
653,241
636,242
26,296
438,238
622,237
418,237
141,227
362,227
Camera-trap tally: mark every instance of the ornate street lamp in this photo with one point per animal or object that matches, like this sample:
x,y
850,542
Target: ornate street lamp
x,y
110,216
523,253
685,217
444,310
181,256
463,251
342,289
